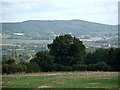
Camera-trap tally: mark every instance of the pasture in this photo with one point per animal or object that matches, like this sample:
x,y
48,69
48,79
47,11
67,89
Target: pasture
x,y
21,41
61,80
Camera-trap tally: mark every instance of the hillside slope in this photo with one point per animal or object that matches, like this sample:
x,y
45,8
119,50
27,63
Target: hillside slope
x,y
57,26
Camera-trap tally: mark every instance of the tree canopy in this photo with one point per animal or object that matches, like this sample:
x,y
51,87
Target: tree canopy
x,y
67,50
43,59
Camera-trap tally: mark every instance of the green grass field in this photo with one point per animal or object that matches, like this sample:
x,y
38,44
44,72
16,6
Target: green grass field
x,y
14,41
61,80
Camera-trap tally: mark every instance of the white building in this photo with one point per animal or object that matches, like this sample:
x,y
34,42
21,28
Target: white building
x,y
19,34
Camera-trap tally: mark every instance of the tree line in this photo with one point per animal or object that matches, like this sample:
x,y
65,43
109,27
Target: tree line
x,y
67,53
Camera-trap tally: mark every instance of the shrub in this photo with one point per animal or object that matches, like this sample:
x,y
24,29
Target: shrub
x,y
32,67
60,67
79,67
102,66
13,68
5,68
11,61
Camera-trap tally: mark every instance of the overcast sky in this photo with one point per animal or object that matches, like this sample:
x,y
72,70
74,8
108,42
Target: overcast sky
x,y
101,11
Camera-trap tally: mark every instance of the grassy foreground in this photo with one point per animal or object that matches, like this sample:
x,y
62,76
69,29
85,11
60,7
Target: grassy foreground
x,y
62,80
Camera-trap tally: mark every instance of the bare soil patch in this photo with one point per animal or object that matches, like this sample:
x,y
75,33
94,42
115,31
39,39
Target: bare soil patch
x,y
45,86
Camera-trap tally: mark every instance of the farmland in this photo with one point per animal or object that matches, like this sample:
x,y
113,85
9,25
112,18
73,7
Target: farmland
x,y
21,41
23,46
61,80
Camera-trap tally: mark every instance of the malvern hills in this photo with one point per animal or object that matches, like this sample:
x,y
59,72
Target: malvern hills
x,y
75,27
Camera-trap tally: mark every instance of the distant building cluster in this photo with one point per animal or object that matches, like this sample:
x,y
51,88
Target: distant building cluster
x,y
19,34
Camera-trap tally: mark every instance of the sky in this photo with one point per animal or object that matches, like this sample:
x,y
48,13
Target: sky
x,y
100,11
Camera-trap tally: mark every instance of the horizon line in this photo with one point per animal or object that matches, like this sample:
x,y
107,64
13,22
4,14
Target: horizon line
x,y
56,20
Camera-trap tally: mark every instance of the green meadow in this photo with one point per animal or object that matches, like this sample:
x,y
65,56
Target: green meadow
x,y
61,80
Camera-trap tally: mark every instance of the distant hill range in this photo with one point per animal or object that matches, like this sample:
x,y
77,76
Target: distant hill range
x,y
58,26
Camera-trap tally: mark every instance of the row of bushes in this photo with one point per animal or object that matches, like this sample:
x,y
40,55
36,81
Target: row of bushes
x,y
83,67
18,68
33,67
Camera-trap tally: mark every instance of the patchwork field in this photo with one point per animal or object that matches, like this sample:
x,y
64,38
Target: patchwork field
x,y
61,80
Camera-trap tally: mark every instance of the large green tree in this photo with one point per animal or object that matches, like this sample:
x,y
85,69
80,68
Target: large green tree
x,y
67,50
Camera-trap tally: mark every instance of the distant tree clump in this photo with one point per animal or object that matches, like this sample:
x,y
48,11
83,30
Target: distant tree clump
x,y
109,58
98,55
67,50
43,59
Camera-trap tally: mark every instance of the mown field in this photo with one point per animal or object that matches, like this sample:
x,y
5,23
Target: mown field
x,y
14,41
61,80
